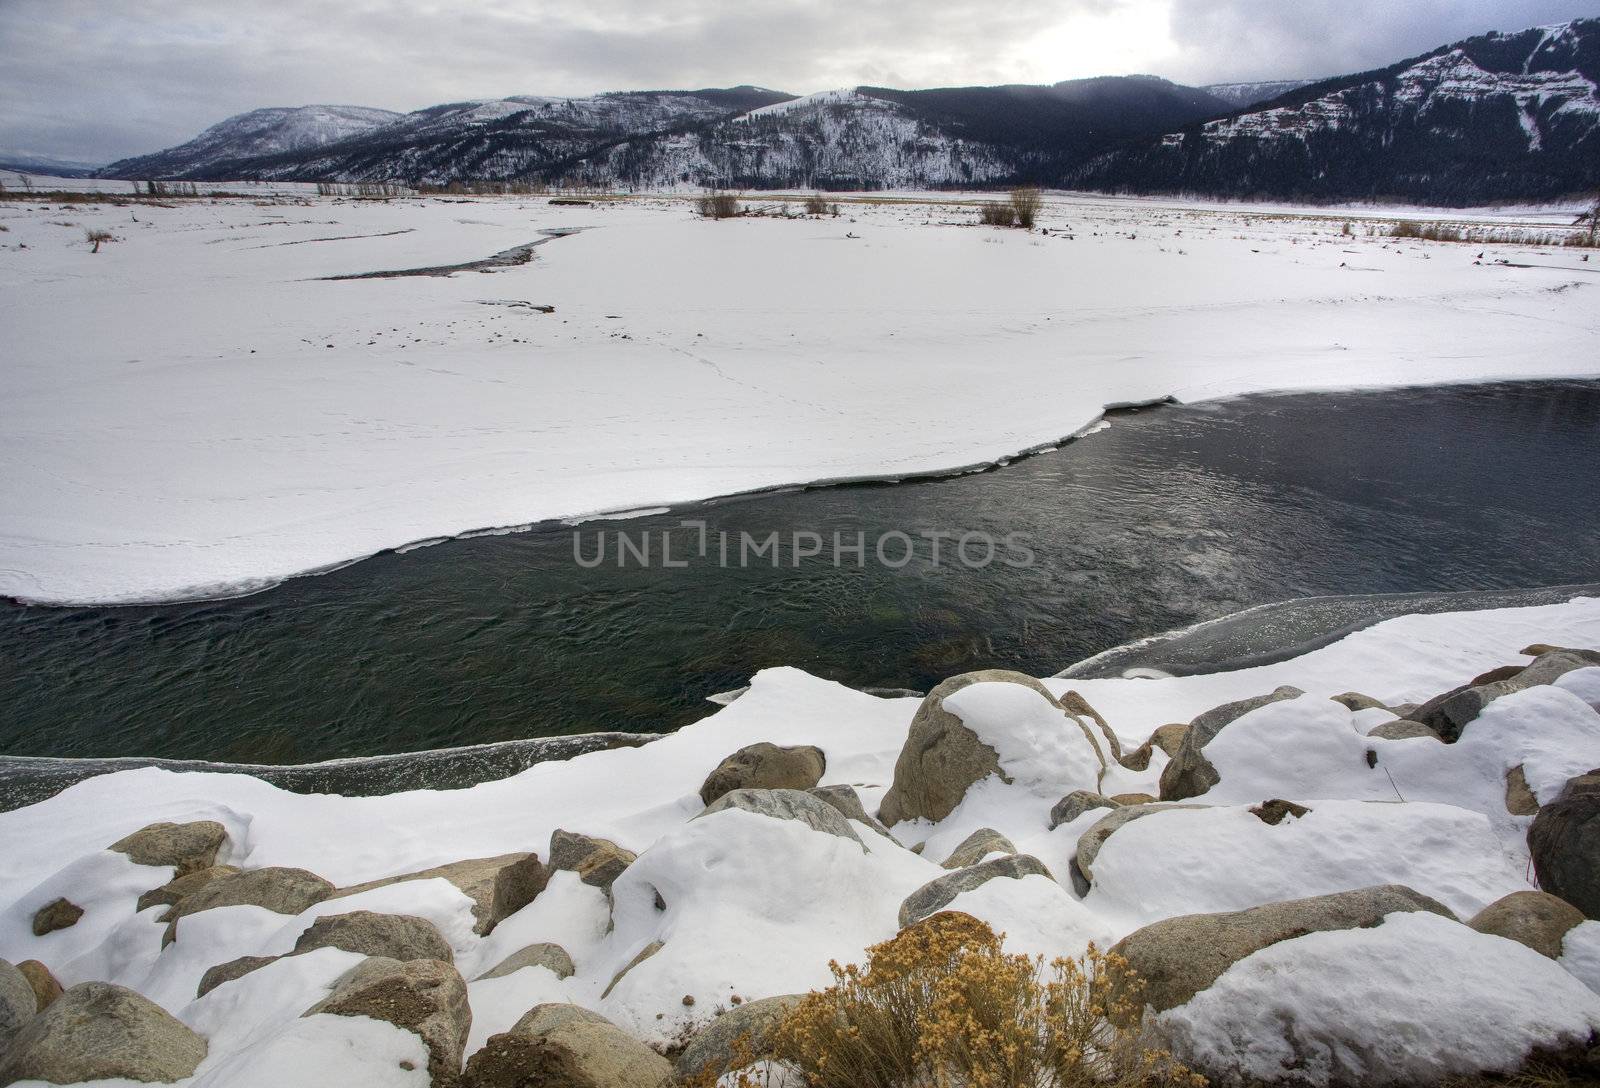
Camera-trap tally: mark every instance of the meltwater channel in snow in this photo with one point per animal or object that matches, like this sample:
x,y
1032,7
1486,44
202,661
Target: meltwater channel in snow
x,y
1168,517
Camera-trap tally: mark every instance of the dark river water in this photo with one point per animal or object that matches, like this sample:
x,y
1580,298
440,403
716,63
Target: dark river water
x,y
1171,516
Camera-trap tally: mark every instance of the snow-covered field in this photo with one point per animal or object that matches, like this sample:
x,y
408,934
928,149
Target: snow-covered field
x,y
750,905
195,411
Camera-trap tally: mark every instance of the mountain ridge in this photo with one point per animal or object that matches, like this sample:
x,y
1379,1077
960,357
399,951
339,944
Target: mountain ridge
x,y
1493,117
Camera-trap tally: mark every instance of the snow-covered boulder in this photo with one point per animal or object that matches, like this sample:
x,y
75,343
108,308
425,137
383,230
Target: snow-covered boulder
x,y
742,1030
940,892
1176,861
97,1031
1190,773
787,805
742,903
1565,843
978,846
1075,804
1176,958
427,997
275,888
1413,1001
1450,713
598,862
989,723
556,1045
765,766
498,886
1537,919
187,847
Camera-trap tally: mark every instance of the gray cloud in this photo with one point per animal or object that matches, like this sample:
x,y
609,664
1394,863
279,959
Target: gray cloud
x,y
1288,39
90,80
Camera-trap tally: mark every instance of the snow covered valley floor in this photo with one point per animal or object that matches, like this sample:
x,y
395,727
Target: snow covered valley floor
x,y
1336,886
196,410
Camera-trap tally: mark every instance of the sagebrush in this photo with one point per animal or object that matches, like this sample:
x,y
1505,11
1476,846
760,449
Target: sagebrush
x,y
942,1005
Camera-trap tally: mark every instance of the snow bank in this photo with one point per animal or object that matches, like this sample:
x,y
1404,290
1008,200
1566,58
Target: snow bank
x,y
1411,1001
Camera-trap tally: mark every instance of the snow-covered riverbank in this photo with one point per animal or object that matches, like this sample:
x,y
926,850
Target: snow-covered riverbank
x,y
685,911
194,411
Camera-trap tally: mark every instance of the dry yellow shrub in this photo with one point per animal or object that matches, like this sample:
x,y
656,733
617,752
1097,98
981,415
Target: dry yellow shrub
x,y
941,1005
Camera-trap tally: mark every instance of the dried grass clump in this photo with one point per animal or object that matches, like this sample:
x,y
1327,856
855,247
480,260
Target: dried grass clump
x,y
815,205
718,206
941,1005
96,237
1026,203
995,214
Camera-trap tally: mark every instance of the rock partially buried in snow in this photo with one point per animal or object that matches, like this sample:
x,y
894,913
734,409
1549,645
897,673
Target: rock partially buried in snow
x,y
399,937
576,1049
942,757
1090,842
991,724
1167,739
977,846
188,848
498,886
427,997
393,936
1565,843
283,890
1402,729
1275,811
544,954
18,1003
1190,774
1413,1001
643,954
1520,798
1450,713
1075,804
598,862
45,986
1537,919
227,972
1176,958
97,1031
938,893
179,888
786,805
732,1039
765,767
54,915
848,802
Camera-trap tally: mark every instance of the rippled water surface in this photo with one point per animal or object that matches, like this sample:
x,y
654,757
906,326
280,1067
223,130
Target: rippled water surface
x,y
1170,516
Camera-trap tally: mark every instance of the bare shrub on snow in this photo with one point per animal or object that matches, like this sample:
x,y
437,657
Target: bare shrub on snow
x,y
1025,203
995,214
718,206
95,237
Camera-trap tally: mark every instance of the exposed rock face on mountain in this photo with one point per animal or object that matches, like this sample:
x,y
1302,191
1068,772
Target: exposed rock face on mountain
x,y
257,134
1241,96
1497,117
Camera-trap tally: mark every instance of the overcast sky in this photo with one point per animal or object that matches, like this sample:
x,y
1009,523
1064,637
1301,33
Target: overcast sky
x,y
100,79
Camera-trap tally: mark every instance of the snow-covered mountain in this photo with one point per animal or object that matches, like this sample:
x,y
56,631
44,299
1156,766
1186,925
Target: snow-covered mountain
x,y
876,137
1496,117
1244,95
519,137
271,131
859,137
